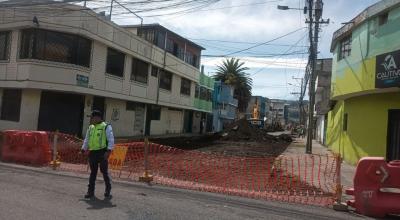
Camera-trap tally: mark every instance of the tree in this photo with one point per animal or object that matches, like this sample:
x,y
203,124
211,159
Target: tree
x,y
232,72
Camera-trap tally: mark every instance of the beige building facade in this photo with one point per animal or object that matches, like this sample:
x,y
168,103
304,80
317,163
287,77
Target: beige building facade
x,y
62,61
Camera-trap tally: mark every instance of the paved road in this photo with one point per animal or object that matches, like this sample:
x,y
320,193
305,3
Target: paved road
x,y
31,194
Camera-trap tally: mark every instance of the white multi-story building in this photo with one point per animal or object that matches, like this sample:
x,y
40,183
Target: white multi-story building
x,y
276,111
60,61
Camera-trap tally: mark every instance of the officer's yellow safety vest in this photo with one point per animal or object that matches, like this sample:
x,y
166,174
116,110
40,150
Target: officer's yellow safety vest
x,y
97,136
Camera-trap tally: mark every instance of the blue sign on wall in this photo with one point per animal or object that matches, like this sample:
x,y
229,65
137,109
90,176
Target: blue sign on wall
x,y
82,80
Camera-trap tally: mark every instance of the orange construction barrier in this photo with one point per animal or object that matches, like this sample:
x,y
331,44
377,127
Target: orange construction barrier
x,y
26,147
9,149
306,179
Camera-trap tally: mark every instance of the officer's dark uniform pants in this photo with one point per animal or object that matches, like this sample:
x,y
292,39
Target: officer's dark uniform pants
x,y
96,158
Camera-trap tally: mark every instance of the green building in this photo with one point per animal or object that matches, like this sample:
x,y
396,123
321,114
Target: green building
x,y
365,110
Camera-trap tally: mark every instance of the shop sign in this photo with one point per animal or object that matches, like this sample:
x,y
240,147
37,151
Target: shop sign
x,y
388,70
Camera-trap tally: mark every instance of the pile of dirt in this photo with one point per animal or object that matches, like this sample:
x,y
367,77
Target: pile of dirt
x,y
242,130
187,143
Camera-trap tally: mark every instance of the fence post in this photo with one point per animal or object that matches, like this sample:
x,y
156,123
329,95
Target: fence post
x,y
55,163
338,205
147,178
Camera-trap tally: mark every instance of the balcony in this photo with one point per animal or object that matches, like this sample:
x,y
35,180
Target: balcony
x,y
229,113
227,100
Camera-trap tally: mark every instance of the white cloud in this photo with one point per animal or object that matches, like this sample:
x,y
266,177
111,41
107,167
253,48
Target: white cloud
x,y
262,23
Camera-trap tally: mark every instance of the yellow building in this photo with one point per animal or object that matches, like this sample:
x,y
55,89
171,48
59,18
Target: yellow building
x,y
365,111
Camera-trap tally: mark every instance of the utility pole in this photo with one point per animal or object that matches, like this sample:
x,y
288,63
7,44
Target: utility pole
x,y
315,19
111,8
300,99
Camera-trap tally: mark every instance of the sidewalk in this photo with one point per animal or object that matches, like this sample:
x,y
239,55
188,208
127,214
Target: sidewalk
x,y
297,147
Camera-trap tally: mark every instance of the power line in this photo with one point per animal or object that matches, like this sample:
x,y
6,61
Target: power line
x,y
242,42
257,45
263,56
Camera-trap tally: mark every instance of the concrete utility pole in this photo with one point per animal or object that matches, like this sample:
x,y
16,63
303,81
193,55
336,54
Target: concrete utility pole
x,y
300,99
314,18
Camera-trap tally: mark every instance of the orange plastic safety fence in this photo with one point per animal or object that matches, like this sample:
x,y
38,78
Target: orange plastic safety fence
x,y
303,179
307,179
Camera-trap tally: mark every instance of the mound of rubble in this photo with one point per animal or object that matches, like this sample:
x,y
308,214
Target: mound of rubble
x,y
242,130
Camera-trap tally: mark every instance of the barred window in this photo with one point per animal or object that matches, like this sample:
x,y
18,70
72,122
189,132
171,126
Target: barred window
x,y
115,62
55,46
140,71
4,45
345,47
11,105
165,80
185,86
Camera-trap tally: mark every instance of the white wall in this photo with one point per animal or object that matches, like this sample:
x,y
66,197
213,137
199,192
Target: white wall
x,y
29,112
171,122
122,121
175,122
320,129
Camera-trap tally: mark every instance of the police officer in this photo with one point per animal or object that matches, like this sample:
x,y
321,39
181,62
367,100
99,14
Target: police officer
x,y
99,141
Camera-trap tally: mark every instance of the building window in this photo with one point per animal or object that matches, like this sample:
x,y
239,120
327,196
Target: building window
x,y
11,105
55,46
191,59
165,80
345,47
209,95
140,71
185,86
148,35
155,113
154,71
133,106
383,19
170,46
115,62
203,93
160,39
345,121
197,91
4,45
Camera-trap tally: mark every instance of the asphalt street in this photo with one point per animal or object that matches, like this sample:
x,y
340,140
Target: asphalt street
x,y
37,194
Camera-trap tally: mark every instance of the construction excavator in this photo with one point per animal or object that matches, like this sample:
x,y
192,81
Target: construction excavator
x,y
255,116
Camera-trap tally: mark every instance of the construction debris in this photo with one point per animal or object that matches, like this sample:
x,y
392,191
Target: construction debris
x,y
242,130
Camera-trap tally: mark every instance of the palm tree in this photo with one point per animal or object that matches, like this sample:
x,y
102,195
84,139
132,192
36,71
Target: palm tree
x,y
231,72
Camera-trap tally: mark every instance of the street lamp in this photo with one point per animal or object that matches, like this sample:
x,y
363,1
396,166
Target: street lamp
x,y
290,84
284,7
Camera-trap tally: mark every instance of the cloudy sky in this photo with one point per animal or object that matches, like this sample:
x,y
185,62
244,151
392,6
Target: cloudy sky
x,y
229,26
